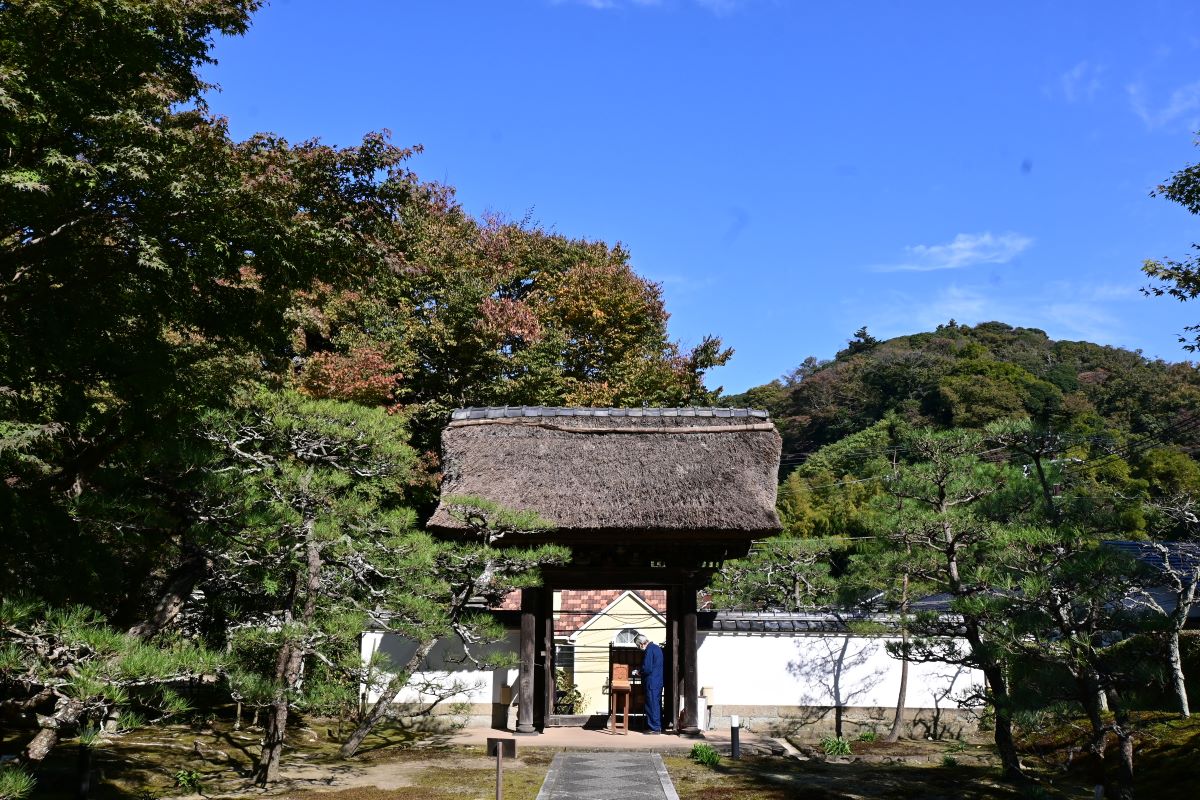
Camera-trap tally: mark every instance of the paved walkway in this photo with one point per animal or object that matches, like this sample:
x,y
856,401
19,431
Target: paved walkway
x,y
613,775
581,739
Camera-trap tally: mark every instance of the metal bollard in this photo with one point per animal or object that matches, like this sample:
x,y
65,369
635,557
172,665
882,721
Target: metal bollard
x,y
735,744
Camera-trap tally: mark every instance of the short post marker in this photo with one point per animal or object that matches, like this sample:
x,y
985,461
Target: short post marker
x,y
735,744
500,747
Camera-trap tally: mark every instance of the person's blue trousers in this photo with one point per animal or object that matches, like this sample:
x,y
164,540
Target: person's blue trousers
x,y
654,706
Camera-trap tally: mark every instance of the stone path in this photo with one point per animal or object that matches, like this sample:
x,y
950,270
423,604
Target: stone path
x,y
607,776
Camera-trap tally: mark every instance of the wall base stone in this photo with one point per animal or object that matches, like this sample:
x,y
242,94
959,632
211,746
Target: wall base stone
x,y
814,722
449,719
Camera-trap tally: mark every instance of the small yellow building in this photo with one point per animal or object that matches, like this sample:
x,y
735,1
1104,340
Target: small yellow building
x,y
587,647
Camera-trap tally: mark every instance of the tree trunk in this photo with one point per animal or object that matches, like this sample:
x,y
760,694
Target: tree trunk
x,y
174,596
289,667
902,695
1005,745
276,726
67,712
1095,703
272,747
1177,678
1124,731
379,710
1125,765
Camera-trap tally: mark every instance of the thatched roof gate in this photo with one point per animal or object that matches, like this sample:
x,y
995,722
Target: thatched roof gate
x,y
667,475
644,497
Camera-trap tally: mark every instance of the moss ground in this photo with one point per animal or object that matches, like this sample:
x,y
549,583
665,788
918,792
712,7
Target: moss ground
x,y
401,766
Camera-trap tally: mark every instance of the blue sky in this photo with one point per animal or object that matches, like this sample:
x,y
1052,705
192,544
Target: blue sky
x,y
788,171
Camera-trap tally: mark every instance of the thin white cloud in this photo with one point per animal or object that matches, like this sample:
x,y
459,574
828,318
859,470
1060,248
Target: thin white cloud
x,y
717,7
1088,315
1181,109
1081,320
965,250
1081,82
720,7
1112,291
957,303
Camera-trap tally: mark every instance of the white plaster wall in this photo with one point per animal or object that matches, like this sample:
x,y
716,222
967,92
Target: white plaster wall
x,y
828,670
446,667
740,669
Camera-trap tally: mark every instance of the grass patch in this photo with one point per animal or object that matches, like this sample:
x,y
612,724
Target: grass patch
x,y
835,746
705,754
767,778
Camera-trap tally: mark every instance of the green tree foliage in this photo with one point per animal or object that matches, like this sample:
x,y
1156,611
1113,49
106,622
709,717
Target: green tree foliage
x,y
151,269
782,574
147,259
315,542
1179,279
932,514
1070,603
449,584
829,492
496,313
70,664
824,504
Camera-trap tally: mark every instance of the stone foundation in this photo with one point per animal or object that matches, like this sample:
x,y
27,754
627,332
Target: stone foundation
x,y
814,722
451,717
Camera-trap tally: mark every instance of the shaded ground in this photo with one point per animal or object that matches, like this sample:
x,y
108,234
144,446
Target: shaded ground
x,y
1166,753
399,766
907,751
778,779
148,764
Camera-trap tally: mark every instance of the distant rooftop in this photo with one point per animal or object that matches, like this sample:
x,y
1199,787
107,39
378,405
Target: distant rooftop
x,y
1182,557
786,621
506,412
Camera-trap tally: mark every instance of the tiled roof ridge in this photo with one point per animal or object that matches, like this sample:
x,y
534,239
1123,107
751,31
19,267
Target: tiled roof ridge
x,y
511,412
787,621
593,601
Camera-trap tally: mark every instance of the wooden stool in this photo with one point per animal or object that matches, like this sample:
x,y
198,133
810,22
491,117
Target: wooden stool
x,y
619,692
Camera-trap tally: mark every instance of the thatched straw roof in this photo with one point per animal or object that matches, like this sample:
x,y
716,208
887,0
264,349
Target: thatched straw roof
x,y
666,473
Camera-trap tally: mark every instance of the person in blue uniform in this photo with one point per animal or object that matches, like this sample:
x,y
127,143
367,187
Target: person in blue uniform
x,y
652,682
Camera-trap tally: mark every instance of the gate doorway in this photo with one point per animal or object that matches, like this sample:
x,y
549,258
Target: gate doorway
x,y
594,630
591,638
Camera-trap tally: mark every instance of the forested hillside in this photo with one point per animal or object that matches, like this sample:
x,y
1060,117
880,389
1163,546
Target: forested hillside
x,y
963,376
981,469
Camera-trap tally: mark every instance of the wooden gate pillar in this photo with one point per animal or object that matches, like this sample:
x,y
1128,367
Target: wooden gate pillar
x,y
546,634
672,713
526,679
691,686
